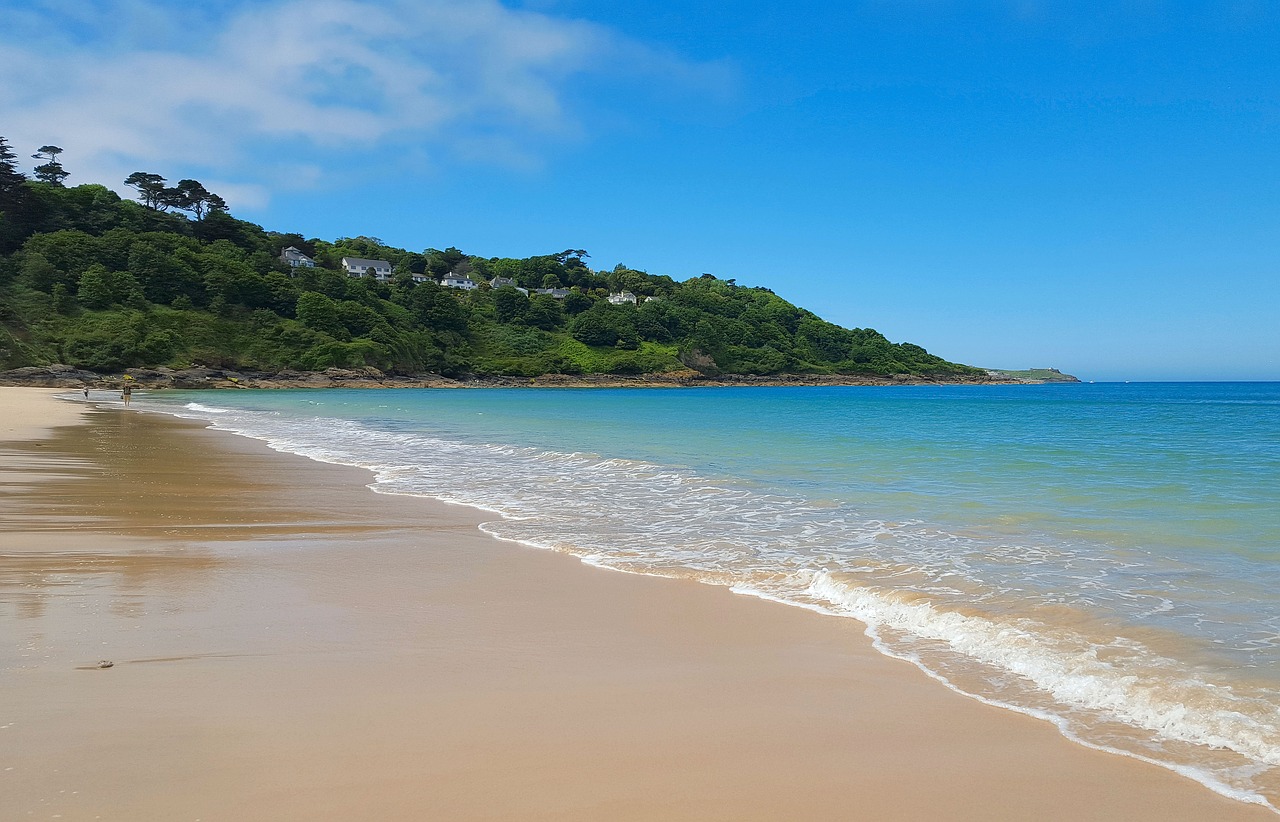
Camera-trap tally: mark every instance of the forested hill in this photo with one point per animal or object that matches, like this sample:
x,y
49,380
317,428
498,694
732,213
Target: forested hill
x,y
101,283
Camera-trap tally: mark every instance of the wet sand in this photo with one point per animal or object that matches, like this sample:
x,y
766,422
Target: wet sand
x,y
288,645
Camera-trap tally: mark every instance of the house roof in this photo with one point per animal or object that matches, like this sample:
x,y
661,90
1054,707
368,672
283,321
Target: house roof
x,y
360,262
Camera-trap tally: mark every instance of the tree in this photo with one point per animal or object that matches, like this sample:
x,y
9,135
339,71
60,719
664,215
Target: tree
x,y
190,195
603,325
544,312
318,312
69,252
441,263
10,178
637,282
13,198
52,171
164,274
94,291
509,304
823,342
37,272
436,308
215,203
576,303
151,188
358,319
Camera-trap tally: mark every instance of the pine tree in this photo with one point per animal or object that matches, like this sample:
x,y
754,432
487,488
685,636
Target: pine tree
x,y
191,195
11,179
52,171
151,188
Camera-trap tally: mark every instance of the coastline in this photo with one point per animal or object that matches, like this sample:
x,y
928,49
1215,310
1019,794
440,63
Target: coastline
x,y
59,376
289,644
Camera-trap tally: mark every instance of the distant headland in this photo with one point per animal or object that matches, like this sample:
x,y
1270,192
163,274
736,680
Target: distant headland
x,y
1031,375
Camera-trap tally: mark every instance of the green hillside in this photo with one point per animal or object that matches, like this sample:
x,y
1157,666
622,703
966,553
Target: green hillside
x,y
102,283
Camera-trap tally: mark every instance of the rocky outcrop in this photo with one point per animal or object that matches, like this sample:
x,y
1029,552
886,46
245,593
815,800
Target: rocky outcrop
x,y
64,376
50,376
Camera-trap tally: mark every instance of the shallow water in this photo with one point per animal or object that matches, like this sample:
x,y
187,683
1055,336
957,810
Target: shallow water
x,y
1104,556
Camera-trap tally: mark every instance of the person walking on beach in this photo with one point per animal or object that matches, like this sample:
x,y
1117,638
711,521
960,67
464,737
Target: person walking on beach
x,y
125,394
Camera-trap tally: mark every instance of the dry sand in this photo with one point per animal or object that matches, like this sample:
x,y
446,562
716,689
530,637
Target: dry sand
x,y
288,645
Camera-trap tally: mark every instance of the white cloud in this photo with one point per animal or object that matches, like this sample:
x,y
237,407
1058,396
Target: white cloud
x,y
130,85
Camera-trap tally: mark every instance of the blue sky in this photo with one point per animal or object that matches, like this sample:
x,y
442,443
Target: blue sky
x,y
1009,183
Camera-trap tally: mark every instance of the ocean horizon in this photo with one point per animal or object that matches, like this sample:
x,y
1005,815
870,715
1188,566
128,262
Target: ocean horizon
x,y
1104,556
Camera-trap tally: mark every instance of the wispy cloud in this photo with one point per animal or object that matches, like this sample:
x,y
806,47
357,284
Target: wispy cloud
x,y
231,87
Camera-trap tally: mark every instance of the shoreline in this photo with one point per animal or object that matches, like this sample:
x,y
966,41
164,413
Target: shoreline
x,y
499,681
211,378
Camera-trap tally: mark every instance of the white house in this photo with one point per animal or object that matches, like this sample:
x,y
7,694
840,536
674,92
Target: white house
x,y
459,281
499,282
358,267
622,298
555,293
294,258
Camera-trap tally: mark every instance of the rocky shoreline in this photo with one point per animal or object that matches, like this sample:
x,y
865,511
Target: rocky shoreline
x,y
64,376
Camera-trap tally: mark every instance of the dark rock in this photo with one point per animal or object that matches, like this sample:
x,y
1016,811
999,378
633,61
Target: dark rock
x,y
50,376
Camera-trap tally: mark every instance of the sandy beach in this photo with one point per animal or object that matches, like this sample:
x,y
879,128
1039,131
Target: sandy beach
x,y
286,644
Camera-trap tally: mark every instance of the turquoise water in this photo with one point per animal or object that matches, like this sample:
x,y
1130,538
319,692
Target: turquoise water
x,y
1106,557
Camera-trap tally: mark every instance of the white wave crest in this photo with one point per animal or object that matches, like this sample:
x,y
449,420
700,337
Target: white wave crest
x,y
205,409
1174,705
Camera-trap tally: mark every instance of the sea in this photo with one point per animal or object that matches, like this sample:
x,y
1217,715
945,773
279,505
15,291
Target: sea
x,y
1105,557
